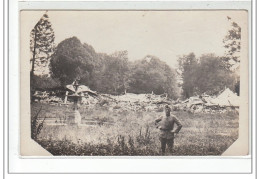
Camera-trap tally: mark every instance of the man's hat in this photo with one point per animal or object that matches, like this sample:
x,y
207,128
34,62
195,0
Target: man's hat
x,y
167,107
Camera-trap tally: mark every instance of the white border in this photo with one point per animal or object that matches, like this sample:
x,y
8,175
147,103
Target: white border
x,y
19,165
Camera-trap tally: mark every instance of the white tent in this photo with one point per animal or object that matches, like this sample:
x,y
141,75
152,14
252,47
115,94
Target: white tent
x,y
227,98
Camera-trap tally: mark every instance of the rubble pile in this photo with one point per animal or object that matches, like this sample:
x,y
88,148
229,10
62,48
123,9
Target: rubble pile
x,y
227,100
46,97
128,101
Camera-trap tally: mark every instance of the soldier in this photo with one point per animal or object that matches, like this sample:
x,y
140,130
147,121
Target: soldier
x,y
166,126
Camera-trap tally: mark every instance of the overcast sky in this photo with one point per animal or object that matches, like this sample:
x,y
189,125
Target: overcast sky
x,y
165,34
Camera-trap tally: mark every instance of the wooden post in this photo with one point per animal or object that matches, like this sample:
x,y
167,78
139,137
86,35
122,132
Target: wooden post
x,y
66,97
77,116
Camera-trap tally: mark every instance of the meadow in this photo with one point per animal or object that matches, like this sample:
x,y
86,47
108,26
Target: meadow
x,y
120,132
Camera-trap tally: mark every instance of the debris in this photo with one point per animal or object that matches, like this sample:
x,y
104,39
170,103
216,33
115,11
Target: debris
x,y
226,101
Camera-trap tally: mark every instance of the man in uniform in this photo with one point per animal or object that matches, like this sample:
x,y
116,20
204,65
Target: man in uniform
x,y
166,126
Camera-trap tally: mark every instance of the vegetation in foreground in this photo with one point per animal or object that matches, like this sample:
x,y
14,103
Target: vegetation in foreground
x,y
129,133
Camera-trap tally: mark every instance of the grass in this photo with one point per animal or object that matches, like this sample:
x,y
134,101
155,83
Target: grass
x,y
119,132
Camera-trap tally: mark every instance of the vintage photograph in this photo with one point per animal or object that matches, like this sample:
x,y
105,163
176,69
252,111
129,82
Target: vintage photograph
x,y
133,83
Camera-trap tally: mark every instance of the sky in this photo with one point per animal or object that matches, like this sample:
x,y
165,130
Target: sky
x,y
165,34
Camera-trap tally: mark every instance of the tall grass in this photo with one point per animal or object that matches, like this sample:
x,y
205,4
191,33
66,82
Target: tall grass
x,y
36,124
121,132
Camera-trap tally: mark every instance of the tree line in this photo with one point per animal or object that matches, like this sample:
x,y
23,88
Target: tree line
x,y
115,74
205,75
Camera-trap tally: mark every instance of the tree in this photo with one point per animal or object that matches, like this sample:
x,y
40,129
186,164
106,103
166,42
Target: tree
x,y
232,43
152,75
72,60
113,73
187,67
204,75
41,46
45,82
211,76
101,72
41,43
237,87
124,72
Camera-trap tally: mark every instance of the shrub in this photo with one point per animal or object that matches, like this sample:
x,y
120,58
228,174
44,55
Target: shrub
x,y
36,125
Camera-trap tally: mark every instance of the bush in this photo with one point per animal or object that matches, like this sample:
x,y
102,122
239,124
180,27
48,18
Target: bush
x,y
45,82
36,125
123,146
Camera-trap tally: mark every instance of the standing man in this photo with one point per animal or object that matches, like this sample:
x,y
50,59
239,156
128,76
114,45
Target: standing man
x,y
166,126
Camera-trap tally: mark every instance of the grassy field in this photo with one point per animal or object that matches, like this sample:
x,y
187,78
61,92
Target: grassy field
x,y
118,132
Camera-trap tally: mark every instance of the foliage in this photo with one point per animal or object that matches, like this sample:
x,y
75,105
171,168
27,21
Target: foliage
x,y
121,148
212,77
45,82
144,139
112,74
72,60
188,66
41,43
232,43
152,75
101,72
124,69
202,134
41,46
204,75
237,87
36,125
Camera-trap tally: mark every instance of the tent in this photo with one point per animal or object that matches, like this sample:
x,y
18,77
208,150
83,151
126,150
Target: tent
x,y
227,98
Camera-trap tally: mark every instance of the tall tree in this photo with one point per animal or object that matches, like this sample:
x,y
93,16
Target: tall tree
x,y
232,43
212,76
124,72
41,43
72,60
152,75
207,74
187,66
113,73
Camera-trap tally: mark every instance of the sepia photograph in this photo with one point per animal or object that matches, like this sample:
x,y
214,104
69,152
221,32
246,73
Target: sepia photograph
x,y
133,83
